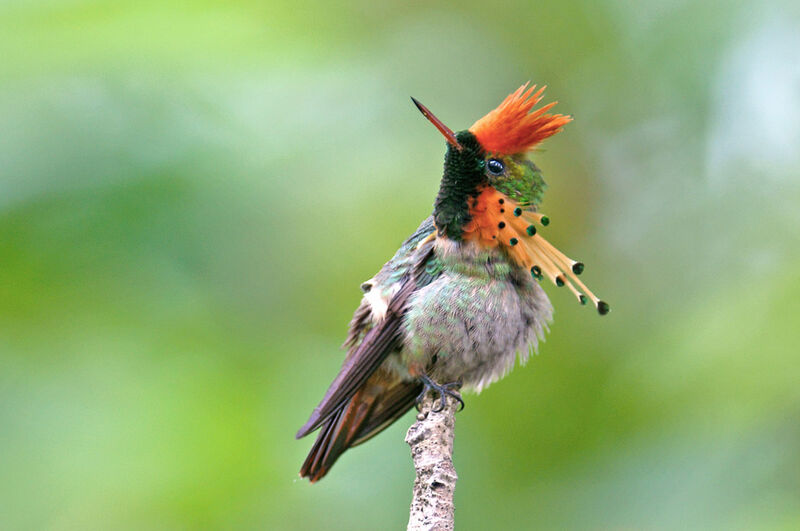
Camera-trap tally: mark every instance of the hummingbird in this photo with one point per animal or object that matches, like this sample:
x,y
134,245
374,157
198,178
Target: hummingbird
x,y
461,298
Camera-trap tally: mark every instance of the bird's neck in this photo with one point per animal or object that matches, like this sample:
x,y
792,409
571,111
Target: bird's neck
x,y
462,182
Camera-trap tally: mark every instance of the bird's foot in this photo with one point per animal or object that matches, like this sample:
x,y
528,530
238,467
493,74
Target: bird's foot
x,y
444,390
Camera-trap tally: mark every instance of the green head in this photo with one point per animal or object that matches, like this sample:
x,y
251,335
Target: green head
x,y
490,191
469,168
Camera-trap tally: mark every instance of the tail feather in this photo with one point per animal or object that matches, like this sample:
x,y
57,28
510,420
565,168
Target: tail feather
x,y
371,410
393,405
313,464
335,436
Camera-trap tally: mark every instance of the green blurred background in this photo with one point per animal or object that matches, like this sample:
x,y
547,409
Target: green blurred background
x,y
191,193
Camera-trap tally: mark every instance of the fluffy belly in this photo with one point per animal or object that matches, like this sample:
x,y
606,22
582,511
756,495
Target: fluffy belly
x,y
470,329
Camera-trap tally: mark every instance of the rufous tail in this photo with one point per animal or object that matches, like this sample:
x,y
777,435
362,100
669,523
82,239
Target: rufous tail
x,y
371,410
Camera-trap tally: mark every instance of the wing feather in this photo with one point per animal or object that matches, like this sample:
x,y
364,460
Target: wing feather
x,y
378,343
409,266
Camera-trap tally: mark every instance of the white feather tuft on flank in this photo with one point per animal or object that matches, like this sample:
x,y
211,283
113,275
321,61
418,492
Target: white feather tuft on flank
x,y
378,299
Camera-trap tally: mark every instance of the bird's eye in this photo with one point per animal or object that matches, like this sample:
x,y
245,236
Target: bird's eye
x,y
495,166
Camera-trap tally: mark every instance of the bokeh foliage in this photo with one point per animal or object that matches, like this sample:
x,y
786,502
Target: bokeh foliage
x,y
191,193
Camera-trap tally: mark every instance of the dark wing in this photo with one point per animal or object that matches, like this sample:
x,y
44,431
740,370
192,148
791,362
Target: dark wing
x,y
386,336
379,342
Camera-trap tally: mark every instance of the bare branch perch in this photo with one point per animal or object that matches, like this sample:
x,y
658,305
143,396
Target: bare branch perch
x,y
431,442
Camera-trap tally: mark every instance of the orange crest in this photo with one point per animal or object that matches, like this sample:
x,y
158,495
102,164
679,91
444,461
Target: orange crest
x,y
510,128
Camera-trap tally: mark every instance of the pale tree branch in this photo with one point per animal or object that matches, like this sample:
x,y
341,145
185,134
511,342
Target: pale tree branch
x,y
431,442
